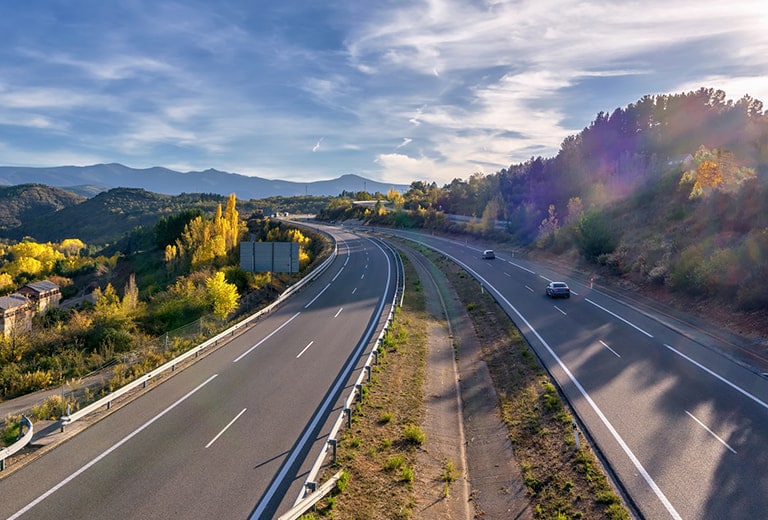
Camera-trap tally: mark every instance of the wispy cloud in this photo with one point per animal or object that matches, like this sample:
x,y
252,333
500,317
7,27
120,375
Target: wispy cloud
x,y
475,86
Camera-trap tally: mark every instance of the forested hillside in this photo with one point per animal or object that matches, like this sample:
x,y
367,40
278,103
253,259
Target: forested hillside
x,y
114,215
31,201
669,191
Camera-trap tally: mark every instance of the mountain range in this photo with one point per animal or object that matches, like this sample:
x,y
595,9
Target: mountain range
x,y
90,180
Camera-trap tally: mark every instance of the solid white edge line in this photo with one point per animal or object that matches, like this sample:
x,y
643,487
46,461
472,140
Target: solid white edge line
x,y
338,274
108,451
721,378
618,317
225,428
241,356
635,461
305,349
302,441
713,434
316,297
521,267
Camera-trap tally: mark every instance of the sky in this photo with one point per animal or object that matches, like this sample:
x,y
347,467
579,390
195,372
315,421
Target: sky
x,y
393,90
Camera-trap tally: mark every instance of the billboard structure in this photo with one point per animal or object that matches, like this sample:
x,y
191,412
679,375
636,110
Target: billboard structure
x,y
272,257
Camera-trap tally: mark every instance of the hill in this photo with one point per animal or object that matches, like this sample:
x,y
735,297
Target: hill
x,y
23,203
51,215
667,194
170,182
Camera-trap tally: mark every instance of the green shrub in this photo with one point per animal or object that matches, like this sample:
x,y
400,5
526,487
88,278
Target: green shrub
x,y
595,236
394,462
414,434
343,482
407,475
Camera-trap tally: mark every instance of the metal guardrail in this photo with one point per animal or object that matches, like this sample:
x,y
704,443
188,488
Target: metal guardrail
x,y
71,417
310,500
195,352
303,501
18,445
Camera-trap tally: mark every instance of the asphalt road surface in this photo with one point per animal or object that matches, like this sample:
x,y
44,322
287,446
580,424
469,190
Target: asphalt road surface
x,y
234,435
682,425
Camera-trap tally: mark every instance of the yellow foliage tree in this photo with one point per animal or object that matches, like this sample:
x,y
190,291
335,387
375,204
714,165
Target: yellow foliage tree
x,y
715,169
71,246
222,295
6,280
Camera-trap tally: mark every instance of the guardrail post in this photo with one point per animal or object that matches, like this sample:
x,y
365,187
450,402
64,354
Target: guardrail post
x,y
359,389
368,372
332,443
348,412
376,356
576,434
310,488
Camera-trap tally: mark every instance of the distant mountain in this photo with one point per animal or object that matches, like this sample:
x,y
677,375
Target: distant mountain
x,y
170,182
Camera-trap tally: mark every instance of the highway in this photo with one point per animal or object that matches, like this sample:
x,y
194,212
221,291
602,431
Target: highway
x,y
235,434
682,426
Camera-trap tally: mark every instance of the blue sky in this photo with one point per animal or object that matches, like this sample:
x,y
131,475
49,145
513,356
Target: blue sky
x,y
392,90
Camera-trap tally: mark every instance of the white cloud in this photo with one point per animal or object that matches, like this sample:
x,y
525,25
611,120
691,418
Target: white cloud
x,y
406,142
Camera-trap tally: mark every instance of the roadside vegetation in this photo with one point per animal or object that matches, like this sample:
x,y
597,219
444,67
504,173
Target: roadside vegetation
x,y
135,311
377,454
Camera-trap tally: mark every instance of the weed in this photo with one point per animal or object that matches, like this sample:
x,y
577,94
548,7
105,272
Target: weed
x,y
394,462
343,482
414,434
407,475
11,431
449,473
385,418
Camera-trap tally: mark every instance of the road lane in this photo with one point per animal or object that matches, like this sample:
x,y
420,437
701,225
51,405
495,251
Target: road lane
x,y
634,398
165,469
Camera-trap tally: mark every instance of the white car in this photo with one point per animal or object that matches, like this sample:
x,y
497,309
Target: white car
x,y
488,254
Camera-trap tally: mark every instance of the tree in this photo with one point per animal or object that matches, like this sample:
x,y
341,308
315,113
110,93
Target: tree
x,y
222,295
71,246
595,235
549,225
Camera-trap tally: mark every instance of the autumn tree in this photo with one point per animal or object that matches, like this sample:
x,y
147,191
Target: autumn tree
x,y
715,169
222,295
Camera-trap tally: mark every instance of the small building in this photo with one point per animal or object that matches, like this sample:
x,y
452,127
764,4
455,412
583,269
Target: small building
x,y
15,314
42,295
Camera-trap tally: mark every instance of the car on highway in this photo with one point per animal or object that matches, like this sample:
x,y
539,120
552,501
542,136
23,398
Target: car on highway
x,y
558,290
488,254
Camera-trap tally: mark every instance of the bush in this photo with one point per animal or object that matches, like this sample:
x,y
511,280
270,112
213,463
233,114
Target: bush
x,y
394,462
595,236
414,434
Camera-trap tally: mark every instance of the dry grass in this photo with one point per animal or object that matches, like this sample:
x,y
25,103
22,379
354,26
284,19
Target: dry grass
x,y
379,451
563,482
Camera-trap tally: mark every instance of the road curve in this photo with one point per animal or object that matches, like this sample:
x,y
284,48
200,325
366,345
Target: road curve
x,y
233,435
682,426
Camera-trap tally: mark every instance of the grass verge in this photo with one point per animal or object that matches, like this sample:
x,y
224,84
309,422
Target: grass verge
x,y
379,451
